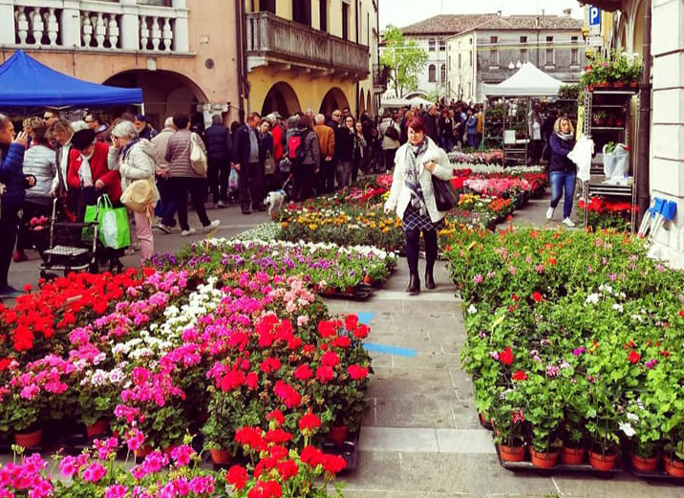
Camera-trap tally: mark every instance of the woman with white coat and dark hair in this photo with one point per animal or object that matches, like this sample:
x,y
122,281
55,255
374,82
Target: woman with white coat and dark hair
x,y
134,158
413,198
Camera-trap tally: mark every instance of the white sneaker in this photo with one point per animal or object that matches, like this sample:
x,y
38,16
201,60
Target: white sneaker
x,y
211,226
222,204
549,213
568,222
188,233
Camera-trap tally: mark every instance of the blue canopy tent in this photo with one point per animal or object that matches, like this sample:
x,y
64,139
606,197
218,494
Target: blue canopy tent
x,y
25,82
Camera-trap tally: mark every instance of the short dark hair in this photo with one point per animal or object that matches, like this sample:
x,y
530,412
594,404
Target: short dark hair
x,y
128,116
40,132
216,119
253,115
181,120
417,124
305,122
95,116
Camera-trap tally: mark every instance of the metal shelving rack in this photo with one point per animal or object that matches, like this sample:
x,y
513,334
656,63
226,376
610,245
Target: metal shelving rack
x,y
623,96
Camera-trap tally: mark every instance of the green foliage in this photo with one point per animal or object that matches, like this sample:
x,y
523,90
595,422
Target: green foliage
x,y
405,58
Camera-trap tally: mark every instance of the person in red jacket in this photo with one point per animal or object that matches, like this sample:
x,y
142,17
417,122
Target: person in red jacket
x,y
90,176
88,172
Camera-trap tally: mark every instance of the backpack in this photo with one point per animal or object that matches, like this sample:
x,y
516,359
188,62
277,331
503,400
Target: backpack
x,y
296,148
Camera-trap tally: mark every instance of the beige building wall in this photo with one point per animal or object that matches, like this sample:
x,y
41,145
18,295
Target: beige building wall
x,y
172,82
304,89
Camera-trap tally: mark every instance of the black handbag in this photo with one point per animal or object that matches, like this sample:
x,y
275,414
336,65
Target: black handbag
x,y
446,196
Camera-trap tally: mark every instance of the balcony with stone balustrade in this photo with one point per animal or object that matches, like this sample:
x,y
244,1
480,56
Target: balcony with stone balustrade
x,y
282,44
147,26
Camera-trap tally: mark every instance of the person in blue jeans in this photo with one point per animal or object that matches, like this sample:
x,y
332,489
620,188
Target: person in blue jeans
x,y
562,171
471,125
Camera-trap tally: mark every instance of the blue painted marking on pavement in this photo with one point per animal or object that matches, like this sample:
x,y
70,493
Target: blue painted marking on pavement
x,y
365,317
381,348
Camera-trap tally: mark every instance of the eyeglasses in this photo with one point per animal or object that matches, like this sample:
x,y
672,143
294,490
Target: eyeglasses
x,y
45,118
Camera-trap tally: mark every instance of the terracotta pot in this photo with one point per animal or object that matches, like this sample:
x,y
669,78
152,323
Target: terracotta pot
x,y
645,464
339,434
349,291
512,453
329,291
97,429
544,460
602,462
485,422
674,467
619,84
28,439
219,457
167,451
601,84
143,451
572,456
367,279
634,84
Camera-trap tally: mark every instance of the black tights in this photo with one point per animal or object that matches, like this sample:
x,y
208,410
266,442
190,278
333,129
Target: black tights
x,y
413,249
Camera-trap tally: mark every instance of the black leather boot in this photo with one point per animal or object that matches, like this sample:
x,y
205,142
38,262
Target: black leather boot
x,y
414,285
429,279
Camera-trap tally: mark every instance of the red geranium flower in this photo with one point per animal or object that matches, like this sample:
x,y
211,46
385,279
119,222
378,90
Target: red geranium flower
x,y
277,416
266,489
520,375
324,374
357,372
237,476
334,464
537,296
351,322
309,422
633,357
506,356
303,372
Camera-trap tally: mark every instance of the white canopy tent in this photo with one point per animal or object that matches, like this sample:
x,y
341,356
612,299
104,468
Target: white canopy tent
x,y
529,81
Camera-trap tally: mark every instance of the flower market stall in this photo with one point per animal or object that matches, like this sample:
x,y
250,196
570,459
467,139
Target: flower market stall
x,y
176,361
516,92
574,347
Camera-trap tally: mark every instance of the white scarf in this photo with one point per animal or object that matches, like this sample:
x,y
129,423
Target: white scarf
x,y
84,172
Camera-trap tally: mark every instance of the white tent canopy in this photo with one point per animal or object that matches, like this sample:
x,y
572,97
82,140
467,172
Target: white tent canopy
x,y
529,81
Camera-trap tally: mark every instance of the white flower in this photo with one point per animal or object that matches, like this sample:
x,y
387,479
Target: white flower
x,y
116,376
618,307
593,298
472,310
633,417
627,429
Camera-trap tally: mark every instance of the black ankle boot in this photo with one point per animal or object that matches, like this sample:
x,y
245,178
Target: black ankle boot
x,y
429,279
414,285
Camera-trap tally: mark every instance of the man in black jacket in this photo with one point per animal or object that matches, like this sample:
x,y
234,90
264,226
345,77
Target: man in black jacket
x,y
249,163
219,152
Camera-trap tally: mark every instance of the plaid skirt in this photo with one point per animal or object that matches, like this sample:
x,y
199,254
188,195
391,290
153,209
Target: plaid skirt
x,y
414,221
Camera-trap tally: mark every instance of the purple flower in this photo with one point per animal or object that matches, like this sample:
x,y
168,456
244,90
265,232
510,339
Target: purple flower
x,y
651,363
579,351
478,279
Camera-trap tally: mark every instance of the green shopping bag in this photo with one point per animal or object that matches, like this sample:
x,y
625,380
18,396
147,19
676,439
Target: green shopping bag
x,y
112,223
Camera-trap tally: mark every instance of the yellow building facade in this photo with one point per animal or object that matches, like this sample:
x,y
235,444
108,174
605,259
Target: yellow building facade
x,y
311,55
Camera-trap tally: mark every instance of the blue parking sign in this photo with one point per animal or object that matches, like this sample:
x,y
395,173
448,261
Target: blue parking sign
x,y
594,16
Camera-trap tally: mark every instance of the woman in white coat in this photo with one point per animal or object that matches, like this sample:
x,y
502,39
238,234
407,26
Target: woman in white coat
x,y
413,198
134,158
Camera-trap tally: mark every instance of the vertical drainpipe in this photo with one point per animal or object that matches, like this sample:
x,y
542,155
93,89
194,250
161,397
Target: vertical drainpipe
x,y
644,152
241,41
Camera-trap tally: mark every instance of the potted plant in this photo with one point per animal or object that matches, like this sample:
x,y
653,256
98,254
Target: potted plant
x,y
508,417
572,429
674,445
226,412
98,394
544,413
603,431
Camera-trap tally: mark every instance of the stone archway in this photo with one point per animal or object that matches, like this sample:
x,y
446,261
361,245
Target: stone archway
x,y
334,99
281,98
369,103
165,92
362,103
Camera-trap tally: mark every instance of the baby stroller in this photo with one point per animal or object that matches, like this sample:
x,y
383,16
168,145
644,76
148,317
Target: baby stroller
x,y
71,247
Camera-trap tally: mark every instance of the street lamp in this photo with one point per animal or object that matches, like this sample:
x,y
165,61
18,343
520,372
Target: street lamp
x,y
511,65
518,64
